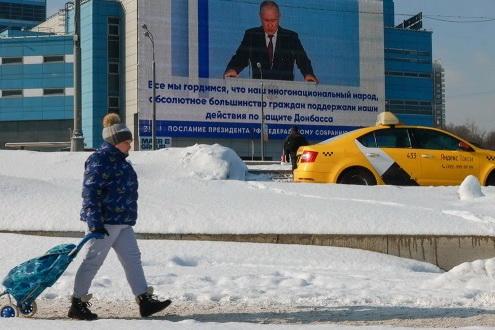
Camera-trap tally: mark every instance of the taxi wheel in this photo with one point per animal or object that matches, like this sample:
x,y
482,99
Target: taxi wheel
x,y
357,176
491,179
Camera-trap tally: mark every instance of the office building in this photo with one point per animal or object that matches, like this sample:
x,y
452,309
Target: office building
x,y
372,63
21,14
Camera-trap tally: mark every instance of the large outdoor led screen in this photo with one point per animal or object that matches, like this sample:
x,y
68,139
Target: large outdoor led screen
x,y
220,64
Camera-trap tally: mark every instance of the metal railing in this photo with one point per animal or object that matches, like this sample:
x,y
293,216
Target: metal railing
x,y
40,145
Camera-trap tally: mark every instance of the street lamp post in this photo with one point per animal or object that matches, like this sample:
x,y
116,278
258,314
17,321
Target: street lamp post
x,y
262,134
262,122
77,139
149,35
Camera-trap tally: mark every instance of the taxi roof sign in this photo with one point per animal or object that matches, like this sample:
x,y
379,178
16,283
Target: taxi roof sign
x,y
386,118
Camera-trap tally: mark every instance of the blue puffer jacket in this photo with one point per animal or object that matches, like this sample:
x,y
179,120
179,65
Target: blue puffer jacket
x,y
110,189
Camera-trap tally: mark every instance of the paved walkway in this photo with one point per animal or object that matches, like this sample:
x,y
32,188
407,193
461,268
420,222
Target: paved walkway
x,y
343,315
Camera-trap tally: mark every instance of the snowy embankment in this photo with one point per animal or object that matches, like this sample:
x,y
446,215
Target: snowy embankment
x,y
199,276
206,189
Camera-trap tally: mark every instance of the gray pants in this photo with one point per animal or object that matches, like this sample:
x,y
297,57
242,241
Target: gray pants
x,y
123,241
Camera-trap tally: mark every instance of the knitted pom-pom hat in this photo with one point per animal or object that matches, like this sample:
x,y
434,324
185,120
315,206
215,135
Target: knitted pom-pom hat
x,y
113,131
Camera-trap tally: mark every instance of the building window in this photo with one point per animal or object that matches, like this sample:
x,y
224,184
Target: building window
x,y
407,52
113,104
12,93
11,60
408,74
113,78
409,107
113,69
55,58
406,55
113,101
113,27
20,11
113,48
113,84
410,60
114,20
53,91
113,38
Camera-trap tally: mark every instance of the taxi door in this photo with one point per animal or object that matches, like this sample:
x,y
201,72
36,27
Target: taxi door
x,y
442,162
392,156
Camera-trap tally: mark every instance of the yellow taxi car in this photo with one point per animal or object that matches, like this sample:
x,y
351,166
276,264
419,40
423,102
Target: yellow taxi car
x,y
395,154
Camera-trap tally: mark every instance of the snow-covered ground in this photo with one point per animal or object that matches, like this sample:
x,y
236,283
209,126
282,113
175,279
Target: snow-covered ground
x,y
233,282
206,189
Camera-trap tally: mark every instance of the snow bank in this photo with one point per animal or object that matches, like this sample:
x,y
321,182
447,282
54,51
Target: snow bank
x,y
470,188
208,162
244,274
213,162
204,189
477,278
205,162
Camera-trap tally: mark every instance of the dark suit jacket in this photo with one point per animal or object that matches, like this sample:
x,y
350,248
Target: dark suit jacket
x,y
288,50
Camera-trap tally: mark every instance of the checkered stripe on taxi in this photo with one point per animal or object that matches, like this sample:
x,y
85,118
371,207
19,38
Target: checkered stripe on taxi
x,y
328,153
491,158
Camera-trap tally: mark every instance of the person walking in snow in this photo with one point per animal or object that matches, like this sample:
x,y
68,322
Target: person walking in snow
x,y
109,207
292,143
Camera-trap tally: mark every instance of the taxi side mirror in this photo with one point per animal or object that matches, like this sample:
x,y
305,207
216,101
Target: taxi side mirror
x,y
463,146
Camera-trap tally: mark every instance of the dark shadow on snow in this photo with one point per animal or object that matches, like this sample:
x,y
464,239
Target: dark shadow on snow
x,y
336,314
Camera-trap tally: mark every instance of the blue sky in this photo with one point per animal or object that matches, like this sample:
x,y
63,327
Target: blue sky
x,y
466,50
53,5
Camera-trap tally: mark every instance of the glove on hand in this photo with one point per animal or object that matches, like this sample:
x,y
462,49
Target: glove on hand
x,y
100,232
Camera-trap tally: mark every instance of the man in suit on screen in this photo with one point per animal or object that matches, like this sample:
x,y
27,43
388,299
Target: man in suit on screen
x,y
270,50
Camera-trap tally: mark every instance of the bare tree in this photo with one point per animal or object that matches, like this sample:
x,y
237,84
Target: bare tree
x,y
468,131
490,140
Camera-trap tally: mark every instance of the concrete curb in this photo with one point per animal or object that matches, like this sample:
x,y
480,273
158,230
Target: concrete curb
x,y
442,250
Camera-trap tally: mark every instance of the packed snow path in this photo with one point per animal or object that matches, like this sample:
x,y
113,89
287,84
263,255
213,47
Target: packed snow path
x,y
264,283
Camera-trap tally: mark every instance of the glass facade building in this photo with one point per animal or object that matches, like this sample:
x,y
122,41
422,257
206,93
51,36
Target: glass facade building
x,y
36,77
408,71
36,74
101,60
21,14
439,94
35,87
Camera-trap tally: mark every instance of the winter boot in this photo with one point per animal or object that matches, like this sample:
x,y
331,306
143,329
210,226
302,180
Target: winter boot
x,y
79,309
149,304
